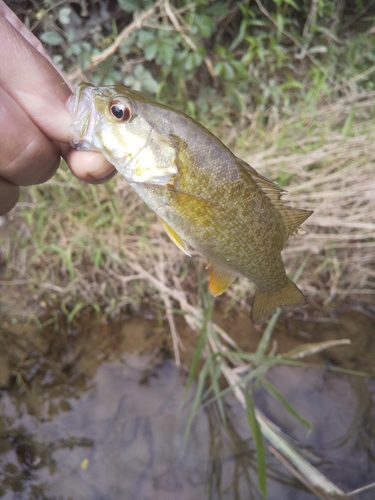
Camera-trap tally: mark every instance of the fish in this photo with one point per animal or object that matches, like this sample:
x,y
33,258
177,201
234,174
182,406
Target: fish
x,y
205,197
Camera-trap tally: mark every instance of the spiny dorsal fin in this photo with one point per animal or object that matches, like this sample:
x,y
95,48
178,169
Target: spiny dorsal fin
x,y
292,217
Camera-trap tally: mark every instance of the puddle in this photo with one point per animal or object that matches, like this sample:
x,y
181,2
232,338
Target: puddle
x,y
95,413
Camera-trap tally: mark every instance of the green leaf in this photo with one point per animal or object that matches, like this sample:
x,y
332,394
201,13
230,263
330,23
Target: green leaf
x,y
206,25
193,60
127,45
287,405
218,9
197,400
218,67
64,15
75,310
228,71
144,38
52,38
74,49
348,125
141,79
151,50
259,443
197,354
148,82
293,4
166,51
266,337
240,36
129,5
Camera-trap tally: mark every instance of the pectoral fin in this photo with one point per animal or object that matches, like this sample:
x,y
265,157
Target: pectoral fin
x,y
175,237
220,279
199,211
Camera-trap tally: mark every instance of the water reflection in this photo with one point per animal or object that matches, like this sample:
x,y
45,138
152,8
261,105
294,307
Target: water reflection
x,y
83,419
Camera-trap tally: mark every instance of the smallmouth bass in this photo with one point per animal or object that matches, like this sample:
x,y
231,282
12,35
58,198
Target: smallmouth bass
x,y
204,196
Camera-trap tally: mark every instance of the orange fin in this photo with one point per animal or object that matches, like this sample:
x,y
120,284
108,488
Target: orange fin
x,y
175,237
292,217
265,303
220,279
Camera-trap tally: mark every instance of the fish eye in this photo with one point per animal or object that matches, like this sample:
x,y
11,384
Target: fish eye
x,y
120,111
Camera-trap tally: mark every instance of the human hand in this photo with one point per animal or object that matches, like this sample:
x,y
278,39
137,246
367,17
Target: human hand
x,y
34,120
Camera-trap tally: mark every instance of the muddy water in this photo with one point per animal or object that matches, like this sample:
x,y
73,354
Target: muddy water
x,y
95,410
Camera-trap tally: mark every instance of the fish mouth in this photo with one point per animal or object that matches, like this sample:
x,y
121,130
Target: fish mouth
x,y
84,119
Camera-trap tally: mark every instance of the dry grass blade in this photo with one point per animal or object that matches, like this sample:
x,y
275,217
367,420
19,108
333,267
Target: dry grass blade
x,y
309,349
295,472
360,490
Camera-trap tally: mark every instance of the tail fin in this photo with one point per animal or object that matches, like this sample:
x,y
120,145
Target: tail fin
x,y
266,303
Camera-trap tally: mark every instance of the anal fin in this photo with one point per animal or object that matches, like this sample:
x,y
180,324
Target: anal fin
x,y
175,237
220,278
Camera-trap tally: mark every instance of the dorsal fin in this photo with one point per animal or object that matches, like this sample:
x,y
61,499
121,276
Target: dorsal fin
x,y
292,217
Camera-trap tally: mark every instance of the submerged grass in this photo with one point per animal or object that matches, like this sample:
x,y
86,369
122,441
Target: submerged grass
x,y
259,443
243,373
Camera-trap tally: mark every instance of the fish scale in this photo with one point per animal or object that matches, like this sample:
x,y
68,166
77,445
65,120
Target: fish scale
x,y
205,197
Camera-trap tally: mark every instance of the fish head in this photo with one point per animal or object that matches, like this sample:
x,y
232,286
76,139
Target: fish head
x,y
127,128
